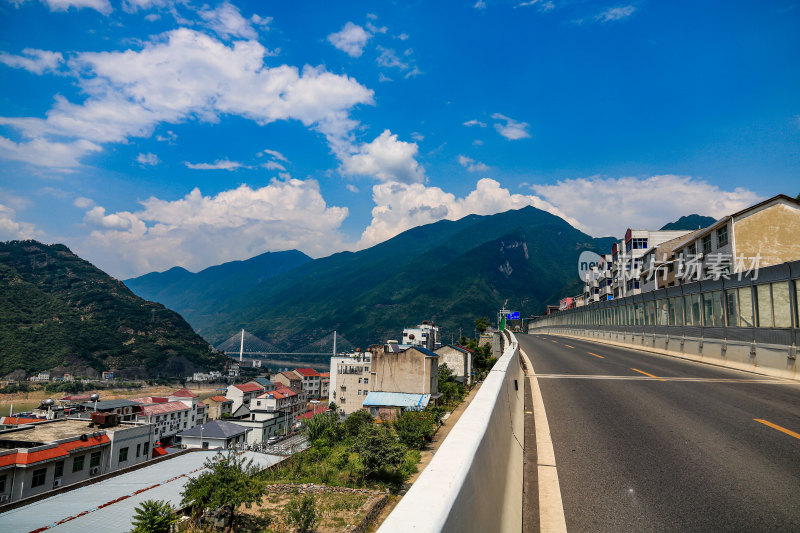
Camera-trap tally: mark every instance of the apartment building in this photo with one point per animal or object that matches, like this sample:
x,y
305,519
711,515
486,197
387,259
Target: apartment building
x,y
410,370
762,235
36,458
312,381
273,413
289,378
242,394
219,407
350,381
325,384
425,334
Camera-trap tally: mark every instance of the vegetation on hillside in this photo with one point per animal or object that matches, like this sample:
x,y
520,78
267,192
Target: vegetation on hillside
x,y
59,311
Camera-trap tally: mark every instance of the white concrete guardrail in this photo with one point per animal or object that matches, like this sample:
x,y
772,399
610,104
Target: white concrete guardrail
x,y
474,482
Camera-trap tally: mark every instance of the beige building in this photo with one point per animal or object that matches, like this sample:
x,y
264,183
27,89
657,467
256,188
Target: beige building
x,y
350,381
458,360
290,378
762,235
218,407
413,370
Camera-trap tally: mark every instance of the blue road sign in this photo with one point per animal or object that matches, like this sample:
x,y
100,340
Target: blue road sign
x,y
513,316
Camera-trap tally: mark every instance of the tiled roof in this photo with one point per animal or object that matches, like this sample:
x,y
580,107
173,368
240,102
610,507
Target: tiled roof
x,y
220,399
62,450
458,348
280,393
306,371
291,375
325,374
76,398
150,399
19,420
111,404
310,414
249,387
425,351
264,381
161,408
184,393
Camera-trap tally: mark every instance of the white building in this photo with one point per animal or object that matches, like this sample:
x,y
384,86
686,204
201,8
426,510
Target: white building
x,y
425,335
350,381
242,394
312,381
217,434
458,360
273,413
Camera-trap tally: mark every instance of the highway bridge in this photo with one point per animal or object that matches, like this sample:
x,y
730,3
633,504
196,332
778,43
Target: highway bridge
x,y
583,434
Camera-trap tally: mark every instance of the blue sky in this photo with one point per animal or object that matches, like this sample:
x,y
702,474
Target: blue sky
x,y
151,133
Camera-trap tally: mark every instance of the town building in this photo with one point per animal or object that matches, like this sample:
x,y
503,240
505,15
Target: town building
x,y
325,384
350,381
219,407
273,413
412,370
36,458
217,434
425,335
459,360
242,394
289,378
312,381
41,376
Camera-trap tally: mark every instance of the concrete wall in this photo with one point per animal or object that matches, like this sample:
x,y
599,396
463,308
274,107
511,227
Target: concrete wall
x,y
474,482
408,371
772,232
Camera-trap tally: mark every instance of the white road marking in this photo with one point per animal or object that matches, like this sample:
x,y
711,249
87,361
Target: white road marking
x,y
551,508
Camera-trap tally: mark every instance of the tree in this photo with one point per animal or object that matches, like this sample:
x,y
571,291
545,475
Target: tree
x,y
319,424
354,423
414,427
153,516
482,324
227,483
302,513
333,407
378,450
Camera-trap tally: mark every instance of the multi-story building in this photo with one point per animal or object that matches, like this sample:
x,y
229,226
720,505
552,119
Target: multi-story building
x,y
410,370
350,381
289,378
37,458
762,235
459,360
242,394
217,434
325,384
312,381
425,334
219,407
273,413
171,414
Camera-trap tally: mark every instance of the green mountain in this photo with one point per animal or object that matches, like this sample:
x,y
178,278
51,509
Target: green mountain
x,y
195,295
59,312
450,272
689,222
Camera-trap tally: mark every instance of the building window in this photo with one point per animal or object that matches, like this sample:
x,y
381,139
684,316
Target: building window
x,y
707,244
146,448
139,449
123,454
692,250
77,463
94,459
722,236
39,477
3,484
58,472
366,380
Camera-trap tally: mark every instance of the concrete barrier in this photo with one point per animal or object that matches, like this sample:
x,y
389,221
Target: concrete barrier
x,y
474,482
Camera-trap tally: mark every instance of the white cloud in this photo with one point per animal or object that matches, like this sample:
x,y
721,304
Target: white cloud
x,y
351,39
115,221
387,159
39,151
471,165
644,203
103,6
11,228
148,159
37,61
220,164
510,128
403,36
227,21
477,142
186,75
273,165
375,29
276,155
475,122
480,4
81,202
417,136
400,206
616,13
168,137
197,231
352,188
390,59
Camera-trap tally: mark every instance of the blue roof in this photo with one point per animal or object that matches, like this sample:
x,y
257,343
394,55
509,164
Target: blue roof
x,y
406,400
263,382
425,351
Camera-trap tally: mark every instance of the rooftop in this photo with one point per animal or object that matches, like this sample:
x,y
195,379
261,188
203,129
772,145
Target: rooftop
x,y
220,399
161,408
183,393
150,399
110,404
249,387
216,429
307,372
53,430
406,400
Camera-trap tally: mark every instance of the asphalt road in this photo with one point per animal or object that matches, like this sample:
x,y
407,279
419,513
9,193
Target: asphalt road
x,y
635,453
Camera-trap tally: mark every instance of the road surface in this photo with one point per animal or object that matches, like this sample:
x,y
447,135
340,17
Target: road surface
x,y
645,442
